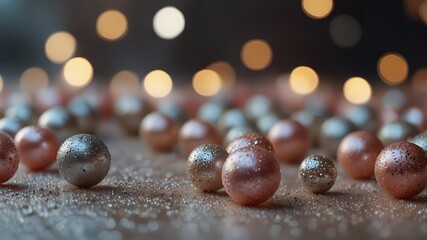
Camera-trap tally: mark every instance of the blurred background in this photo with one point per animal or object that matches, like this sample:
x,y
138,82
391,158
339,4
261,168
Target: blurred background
x,y
42,42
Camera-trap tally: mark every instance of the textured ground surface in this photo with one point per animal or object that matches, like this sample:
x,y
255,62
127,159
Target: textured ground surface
x,y
147,196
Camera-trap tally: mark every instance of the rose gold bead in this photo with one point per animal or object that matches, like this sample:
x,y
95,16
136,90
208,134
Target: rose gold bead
x,y
37,147
9,159
249,140
358,152
159,132
290,141
401,169
251,175
195,133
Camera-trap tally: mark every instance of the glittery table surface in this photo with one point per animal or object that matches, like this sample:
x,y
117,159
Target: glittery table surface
x,y
147,196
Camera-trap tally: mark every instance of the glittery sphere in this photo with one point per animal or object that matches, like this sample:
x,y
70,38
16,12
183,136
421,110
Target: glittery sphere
x,y
9,159
159,132
130,110
401,170
232,118
290,141
333,130
358,152
317,173
204,167
251,175
85,114
60,121
396,131
420,140
24,113
235,133
195,133
37,147
83,160
10,126
250,140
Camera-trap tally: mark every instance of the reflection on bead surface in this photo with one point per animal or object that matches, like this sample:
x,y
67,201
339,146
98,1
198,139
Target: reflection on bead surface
x,y
9,159
401,170
232,118
333,130
24,113
235,133
204,167
250,140
159,132
420,140
317,173
130,110
10,126
251,175
60,121
195,133
85,114
358,152
37,147
290,141
396,131
83,160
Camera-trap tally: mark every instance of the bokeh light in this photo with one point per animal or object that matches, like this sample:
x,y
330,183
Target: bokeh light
x,y
392,68
345,31
168,22
317,9
78,72
357,90
158,83
124,83
423,11
412,8
206,82
111,25
256,54
419,80
303,80
225,71
33,79
1,83
60,46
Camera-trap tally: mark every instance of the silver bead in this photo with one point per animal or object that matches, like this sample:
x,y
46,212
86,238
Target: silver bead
x,y
60,121
24,113
332,131
211,111
420,140
232,118
204,167
235,133
396,131
10,126
83,160
85,114
317,173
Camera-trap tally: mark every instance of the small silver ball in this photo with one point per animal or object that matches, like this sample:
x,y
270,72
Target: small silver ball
x,y
332,131
317,173
10,126
204,166
83,160
232,118
235,133
85,114
24,113
60,121
396,131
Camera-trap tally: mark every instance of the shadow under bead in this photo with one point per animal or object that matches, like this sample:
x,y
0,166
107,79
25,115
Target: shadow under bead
x,y
204,166
396,131
317,173
129,111
85,114
24,113
332,131
250,140
196,132
401,170
83,160
159,132
9,159
10,126
60,121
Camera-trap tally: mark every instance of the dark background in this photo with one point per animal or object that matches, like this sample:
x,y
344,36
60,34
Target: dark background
x,y
215,30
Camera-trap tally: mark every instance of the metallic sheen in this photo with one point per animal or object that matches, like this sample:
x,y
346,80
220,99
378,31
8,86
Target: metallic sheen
x,y
129,111
333,130
396,131
195,133
317,173
10,126
250,140
9,159
60,121
85,114
159,132
25,113
420,140
235,133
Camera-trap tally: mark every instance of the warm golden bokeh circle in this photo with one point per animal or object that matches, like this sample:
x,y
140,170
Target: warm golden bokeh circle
x,y
158,83
392,68
111,25
256,54
303,80
207,82
357,90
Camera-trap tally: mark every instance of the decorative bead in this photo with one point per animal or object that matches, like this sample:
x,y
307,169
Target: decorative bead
x,y
401,170
333,130
85,114
258,106
37,147
232,118
416,116
159,132
83,160
195,133
317,173
10,126
396,131
211,111
420,140
235,133
9,159
174,110
364,117
358,152
250,140
266,122
204,167
290,141
311,122
24,113
60,121
130,110
251,175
